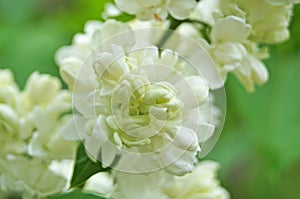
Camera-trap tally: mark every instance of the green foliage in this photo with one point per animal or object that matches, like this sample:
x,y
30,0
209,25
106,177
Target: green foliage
x,y
32,30
76,194
260,142
84,168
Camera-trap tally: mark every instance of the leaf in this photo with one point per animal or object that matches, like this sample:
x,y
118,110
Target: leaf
x,y
84,168
76,194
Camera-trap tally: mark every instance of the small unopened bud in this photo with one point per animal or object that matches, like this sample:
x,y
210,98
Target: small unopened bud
x,y
69,70
41,88
8,119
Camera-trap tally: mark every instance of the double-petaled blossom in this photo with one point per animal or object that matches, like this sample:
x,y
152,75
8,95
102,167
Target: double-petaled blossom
x,y
29,177
30,121
137,102
201,183
269,22
146,186
71,58
233,32
234,53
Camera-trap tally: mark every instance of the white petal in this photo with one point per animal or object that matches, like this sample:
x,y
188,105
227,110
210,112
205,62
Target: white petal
x,y
74,129
102,183
230,28
179,161
181,9
186,139
69,70
260,72
204,131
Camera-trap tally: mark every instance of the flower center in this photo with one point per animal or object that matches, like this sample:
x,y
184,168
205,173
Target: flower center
x,y
142,110
157,96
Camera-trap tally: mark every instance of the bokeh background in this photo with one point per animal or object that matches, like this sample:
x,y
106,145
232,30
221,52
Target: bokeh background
x,y
259,148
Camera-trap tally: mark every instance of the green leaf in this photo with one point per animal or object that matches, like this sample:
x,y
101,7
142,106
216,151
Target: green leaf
x,y
84,168
76,194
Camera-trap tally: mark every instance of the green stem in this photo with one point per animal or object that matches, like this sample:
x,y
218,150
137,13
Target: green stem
x,y
204,30
195,21
174,25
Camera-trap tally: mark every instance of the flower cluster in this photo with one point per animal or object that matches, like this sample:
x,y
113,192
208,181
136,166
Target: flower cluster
x,y
235,30
148,102
143,103
30,121
201,183
143,106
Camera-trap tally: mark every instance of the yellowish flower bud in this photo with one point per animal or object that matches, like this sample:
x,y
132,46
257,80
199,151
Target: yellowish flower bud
x,y
41,88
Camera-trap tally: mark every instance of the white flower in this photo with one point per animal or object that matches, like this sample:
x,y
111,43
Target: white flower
x,y
138,24
31,177
63,168
111,10
9,128
6,78
201,183
45,104
41,88
137,102
145,109
234,53
46,141
102,183
10,121
252,70
206,11
269,22
71,58
136,186
30,121
157,9
231,41
230,29
8,89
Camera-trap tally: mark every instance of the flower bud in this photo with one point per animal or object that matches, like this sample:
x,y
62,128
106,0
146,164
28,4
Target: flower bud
x,y
201,183
69,70
6,78
8,119
41,88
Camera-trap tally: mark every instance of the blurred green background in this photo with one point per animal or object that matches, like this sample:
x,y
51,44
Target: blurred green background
x,y
259,149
